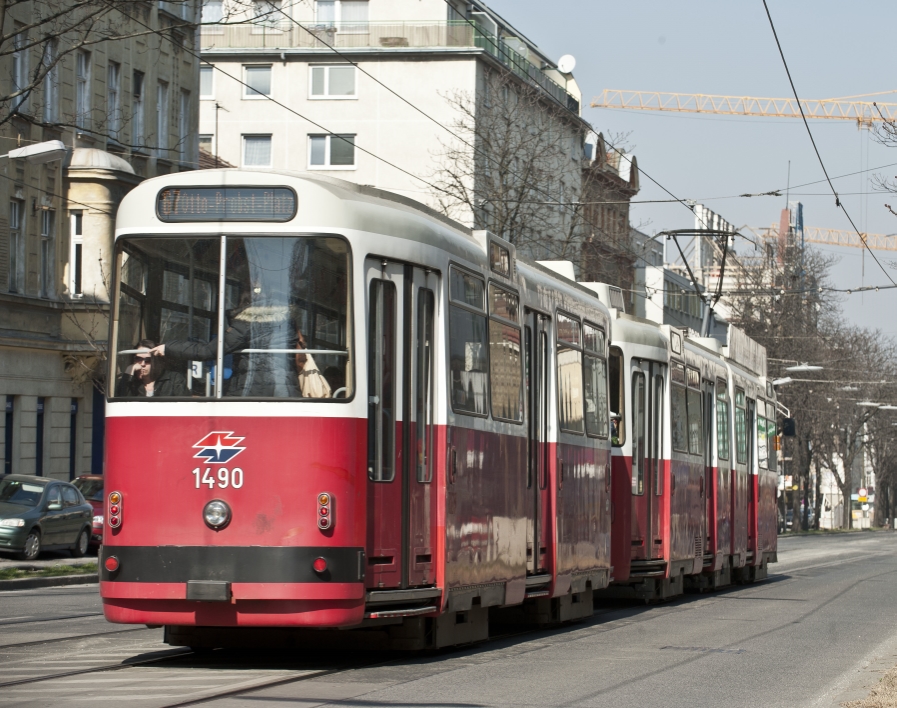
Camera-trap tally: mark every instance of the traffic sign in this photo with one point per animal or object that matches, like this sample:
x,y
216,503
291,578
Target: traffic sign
x,y
862,491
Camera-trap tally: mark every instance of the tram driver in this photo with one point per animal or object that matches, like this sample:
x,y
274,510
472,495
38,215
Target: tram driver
x,y
147,376
258,326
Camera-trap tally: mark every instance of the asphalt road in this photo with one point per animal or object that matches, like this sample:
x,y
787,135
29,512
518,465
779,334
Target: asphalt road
x,y
820,631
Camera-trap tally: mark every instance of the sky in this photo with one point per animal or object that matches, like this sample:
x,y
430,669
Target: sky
x,y
833,49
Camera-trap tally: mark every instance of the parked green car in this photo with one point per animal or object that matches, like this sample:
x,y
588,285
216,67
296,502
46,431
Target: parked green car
x,y
39,514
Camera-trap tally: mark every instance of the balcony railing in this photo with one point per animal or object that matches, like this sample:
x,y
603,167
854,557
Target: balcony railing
x,y
383,35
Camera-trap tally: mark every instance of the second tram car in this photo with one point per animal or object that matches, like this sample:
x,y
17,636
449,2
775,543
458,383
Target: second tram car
x,y
331,407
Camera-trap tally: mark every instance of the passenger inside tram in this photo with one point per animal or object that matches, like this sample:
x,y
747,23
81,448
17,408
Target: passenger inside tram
x,y
147,375
286,314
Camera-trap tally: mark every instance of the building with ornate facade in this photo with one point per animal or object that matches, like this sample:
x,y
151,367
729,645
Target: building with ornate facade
x,y
120,91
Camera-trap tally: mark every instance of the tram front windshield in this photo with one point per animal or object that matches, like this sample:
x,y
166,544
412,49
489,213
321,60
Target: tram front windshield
x,y
285,330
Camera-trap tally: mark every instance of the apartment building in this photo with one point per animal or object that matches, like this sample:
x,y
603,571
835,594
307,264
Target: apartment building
x,y
393,94
121,92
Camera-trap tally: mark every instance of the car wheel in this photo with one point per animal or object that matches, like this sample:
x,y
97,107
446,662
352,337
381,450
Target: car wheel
x,y
32,546
79,550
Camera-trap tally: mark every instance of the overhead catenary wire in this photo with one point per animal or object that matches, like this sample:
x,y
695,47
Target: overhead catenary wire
x,y
838,202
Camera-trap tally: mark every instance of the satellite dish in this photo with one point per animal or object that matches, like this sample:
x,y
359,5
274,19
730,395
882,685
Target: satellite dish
x,y
566,63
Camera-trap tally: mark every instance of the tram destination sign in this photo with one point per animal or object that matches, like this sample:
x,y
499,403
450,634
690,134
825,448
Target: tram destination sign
x,y
176,204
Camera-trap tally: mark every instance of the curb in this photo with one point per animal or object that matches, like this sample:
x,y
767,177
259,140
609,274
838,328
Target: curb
x,y
49,582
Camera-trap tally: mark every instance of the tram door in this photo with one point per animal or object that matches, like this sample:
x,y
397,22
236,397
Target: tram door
x,y
707,485
401,307
538,528
647,461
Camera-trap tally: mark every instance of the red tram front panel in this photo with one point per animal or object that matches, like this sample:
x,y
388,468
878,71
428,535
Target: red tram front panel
x,y
270,471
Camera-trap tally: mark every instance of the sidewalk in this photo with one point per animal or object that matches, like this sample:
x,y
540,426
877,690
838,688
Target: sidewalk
x,y
46,559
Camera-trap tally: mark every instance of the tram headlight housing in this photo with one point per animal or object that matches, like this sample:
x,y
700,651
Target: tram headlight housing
x,y
216,514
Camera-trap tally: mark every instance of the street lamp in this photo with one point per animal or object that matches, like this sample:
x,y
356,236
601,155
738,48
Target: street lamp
x,y
803,367
782,382
39,153
868,404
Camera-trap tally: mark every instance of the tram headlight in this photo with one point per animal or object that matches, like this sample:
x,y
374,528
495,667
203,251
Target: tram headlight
x,y
216,514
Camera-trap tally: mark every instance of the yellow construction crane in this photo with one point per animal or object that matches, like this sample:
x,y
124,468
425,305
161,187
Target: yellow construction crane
x,y
865,113
834,237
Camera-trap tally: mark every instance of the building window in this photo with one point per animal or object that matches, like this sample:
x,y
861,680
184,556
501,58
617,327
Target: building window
x,y
256,151
205,143
268,13
76,255
332,82
335,152
137,110
212,11
162,120
82,89
51,83
113,99
206,82
184,151
73,438
345,15
257,81
19,69
16,282
47,251
39,438
7,435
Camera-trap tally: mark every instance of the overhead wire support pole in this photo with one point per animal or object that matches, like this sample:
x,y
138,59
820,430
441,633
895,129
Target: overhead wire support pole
x,y
708,303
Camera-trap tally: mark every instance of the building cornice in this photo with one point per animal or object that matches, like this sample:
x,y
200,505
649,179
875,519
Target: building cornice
x,y
268,52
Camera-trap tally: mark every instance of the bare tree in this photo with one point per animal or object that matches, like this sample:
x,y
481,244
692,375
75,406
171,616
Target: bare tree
x,y
514,167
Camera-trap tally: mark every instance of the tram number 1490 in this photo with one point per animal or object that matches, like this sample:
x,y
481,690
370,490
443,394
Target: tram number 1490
x,y
223,479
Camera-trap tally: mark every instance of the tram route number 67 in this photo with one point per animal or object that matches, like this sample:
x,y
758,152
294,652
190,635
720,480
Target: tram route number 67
x,y
223,479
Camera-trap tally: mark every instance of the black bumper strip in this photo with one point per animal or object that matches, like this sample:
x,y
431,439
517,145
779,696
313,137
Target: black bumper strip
x,y
233,564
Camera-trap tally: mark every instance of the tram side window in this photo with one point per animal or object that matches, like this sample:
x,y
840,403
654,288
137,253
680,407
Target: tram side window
x,y
771,434
695,416
506,381
657,451
286,319
382,376
678,409
639,430
468,342
722,420
424,377
762,443
595,381
617,397
570,384
741,450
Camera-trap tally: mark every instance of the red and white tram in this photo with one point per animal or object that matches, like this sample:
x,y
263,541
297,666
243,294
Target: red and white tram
x,y
331,407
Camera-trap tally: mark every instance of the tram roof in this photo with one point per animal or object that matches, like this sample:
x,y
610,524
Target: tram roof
x,y
141,211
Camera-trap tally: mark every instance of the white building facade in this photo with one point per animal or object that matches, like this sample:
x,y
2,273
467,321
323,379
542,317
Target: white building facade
x,y
360,88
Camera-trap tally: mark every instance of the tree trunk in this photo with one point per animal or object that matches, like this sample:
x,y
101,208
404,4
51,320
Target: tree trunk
x,y
818,505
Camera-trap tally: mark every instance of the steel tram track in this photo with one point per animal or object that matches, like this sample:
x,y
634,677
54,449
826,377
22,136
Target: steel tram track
x,y
3,647
168,654
49,619
180,653
281,681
